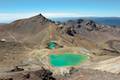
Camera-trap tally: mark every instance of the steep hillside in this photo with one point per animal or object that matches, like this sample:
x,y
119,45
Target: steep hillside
x,y
38,29
97,34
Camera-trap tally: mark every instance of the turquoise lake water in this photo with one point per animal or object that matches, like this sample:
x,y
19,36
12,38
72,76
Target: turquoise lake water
x,y
67,59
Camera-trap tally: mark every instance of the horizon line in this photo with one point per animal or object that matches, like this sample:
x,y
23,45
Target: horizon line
x,y
10,17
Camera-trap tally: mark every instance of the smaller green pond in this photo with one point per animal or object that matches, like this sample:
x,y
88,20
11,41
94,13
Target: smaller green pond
x,y
51,45
66,59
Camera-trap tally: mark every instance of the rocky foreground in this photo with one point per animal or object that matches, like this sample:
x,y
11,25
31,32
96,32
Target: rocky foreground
x,y
80,74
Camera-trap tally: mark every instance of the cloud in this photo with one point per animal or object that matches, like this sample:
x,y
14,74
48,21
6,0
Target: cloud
x,y
49,15
9,17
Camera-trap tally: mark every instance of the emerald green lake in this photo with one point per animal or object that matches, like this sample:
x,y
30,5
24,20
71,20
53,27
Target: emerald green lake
x,y
66,59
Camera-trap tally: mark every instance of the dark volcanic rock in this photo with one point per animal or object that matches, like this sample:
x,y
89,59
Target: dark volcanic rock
x,y
90,25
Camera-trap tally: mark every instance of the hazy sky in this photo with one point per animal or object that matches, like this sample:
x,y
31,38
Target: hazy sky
x,y
15,9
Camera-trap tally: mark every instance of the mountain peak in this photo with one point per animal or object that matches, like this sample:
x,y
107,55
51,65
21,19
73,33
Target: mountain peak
x,y
32,24
39,16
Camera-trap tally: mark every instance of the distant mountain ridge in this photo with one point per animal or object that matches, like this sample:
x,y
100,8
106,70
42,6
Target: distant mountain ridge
x,y
113,21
